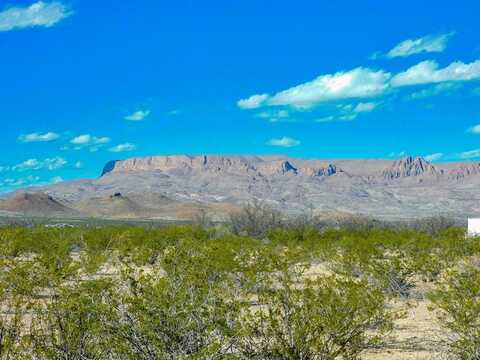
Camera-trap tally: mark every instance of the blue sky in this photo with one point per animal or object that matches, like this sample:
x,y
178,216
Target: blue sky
x,y
84,81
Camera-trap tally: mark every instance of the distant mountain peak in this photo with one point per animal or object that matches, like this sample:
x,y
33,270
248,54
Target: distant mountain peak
x,y
409,166
288,167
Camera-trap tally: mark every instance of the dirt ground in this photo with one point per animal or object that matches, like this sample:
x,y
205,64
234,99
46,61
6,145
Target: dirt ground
x,y
415,336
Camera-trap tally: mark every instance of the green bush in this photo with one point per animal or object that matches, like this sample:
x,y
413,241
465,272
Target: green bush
x,y
186,292
457,299
327,318
186,313
71,323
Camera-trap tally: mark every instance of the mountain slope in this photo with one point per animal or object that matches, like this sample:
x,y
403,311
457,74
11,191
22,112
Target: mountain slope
x,y
177,186
35,204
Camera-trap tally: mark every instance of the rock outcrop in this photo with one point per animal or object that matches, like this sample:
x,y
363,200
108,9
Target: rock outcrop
x,y
183,162
254,165
408,167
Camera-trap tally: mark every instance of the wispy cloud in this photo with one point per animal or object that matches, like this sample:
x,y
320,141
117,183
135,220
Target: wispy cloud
x,y
427,44
438,89
397,154
349,112
253,102
35,164
9,184
434,157
357,83
38,137
274,116
470,154
138,115
93,143
365,107
87,139
284,142
474,129
365,83
324,119
12,183
45,14
428,72
123,147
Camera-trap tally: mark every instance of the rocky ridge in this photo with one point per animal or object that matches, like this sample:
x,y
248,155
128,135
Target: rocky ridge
x,y
263,166
177,186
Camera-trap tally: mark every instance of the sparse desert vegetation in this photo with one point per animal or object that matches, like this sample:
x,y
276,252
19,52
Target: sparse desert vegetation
x,y
260,287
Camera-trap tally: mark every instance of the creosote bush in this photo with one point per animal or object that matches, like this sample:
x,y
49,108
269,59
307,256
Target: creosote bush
x,y
457,300
196,292
325,318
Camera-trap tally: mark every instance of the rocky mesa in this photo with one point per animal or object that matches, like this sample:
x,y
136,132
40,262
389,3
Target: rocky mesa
x,y
176,186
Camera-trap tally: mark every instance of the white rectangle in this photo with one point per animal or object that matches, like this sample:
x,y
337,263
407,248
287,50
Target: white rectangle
x,y
474,227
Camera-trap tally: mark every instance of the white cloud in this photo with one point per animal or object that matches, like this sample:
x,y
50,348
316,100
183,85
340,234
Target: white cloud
x,y
38,137
474,129
356,83
349,112
31,164
366,83
284,142
90,141
426,44
35,164
274,116
138,115
78,165
365,107
348,117
253,102
470,154
442,88
428,72
397,154
270,114
326,119
434,157
41,13
123,147
11,183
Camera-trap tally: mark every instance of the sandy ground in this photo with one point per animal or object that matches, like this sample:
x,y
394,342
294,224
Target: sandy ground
x,y
416,336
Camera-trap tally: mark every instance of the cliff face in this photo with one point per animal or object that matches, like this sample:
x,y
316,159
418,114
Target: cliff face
x,y
405,168
266,166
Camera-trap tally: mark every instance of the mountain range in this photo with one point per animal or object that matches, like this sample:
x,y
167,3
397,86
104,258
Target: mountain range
x,y
178,187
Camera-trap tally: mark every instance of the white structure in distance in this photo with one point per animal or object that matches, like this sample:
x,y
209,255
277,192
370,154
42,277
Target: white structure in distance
x,y
474,227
